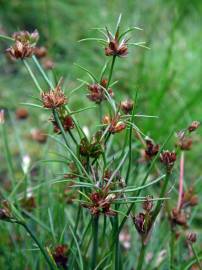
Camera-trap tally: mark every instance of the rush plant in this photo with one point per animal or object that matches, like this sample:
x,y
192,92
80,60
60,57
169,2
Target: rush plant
x,y
109,199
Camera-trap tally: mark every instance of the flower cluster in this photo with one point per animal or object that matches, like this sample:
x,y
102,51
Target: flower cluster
x,y
143,220
116,47
168,158
24,45
100,203
54,98
127,106
151,149
97,91
92,148
66,121
184,140
114,124
60,255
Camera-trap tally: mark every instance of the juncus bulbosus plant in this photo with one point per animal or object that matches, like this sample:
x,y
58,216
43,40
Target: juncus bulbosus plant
x,y
116,198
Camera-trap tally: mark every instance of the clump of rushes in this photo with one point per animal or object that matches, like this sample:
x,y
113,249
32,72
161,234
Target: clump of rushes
x,y
100,180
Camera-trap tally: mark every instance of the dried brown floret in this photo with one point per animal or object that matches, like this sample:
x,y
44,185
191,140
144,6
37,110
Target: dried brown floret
x,y
168,158
115,124
127,106
116,47
97,91
60,255
54,98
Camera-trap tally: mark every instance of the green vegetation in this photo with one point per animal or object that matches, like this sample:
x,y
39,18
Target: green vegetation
x,y
49,181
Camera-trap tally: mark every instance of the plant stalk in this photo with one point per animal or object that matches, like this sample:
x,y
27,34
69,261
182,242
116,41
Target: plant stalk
x,y
141,256
95,223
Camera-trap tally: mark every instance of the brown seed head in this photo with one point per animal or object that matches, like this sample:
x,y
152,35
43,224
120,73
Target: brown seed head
x,y
54,98
178,217
127,106
191,237
24,44
39,136
40,52
21,113
148,204
97,91
151,149
5,211
60,255
26,37
168,158
143,223
185,143
100,204
115,124
20,50
48,63
116,48
28,203
194,125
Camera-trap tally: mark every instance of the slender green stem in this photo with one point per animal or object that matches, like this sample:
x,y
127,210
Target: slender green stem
x,y
172,246
75,231
56,117
111,71
42,249
196,257
130,145
33,76
141,257
117,253
73,138
95,222
50,84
